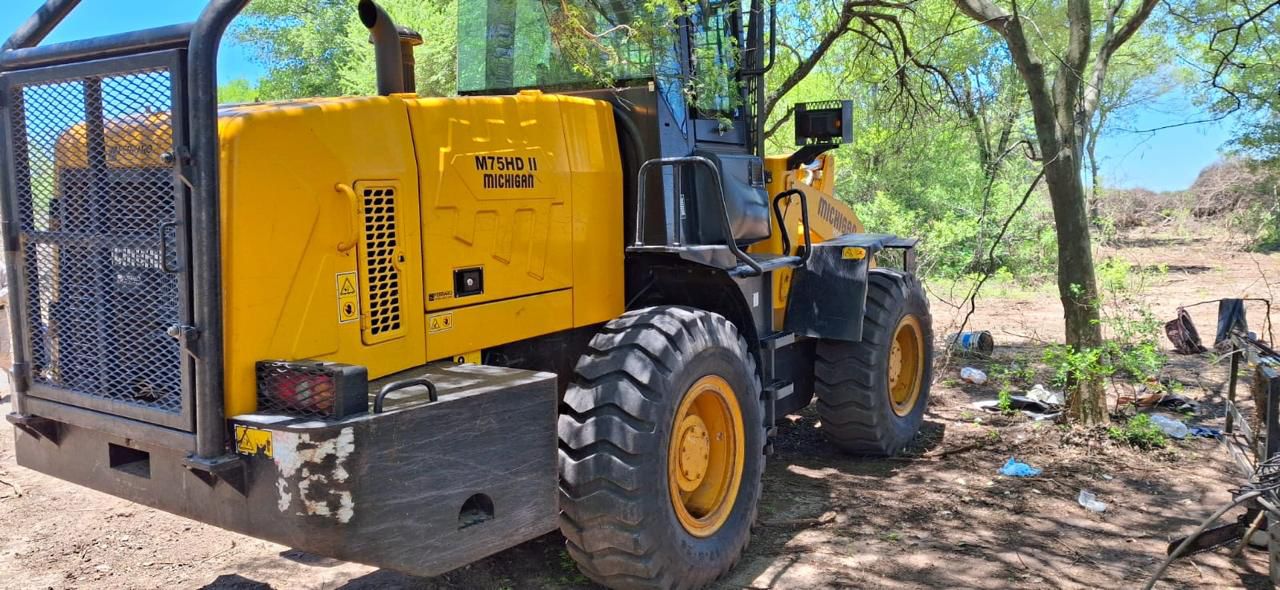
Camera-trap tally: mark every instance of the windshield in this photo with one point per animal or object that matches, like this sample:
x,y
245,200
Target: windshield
x,y
513,44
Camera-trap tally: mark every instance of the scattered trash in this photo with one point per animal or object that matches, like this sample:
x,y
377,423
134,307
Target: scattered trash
x,y
973,376
980,342
1183,334
1090,502
1036,410
1170,427
1206,432
1044,396
1155,399
1015,468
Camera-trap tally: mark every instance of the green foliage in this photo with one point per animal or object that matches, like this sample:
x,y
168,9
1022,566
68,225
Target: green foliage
x,y
1004,401
1009,377
1132,331
1139,432
319,47
238,91
1235,42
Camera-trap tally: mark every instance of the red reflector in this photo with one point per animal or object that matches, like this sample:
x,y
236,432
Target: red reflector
x,y
305,393
312,389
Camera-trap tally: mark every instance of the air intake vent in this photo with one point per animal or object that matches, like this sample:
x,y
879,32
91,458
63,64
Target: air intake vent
x,y
380,261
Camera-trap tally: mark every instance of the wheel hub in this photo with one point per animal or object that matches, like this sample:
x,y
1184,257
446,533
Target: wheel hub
x,y
695,453
905,365
895,364
706,456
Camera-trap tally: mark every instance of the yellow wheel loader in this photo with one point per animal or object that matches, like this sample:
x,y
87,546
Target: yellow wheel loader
x,y
413,332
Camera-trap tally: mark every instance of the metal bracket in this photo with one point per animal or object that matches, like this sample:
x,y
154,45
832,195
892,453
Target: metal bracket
x,y
36,426
12,241
228,468
181,163
21,375
185,335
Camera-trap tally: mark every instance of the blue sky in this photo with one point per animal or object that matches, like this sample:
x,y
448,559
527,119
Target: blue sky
x,y
95,18
1164,160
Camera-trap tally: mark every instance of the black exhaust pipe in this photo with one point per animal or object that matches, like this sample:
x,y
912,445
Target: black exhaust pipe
x,y
386,47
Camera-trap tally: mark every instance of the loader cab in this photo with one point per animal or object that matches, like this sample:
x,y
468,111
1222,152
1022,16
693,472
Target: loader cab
x,y
700,71
692,90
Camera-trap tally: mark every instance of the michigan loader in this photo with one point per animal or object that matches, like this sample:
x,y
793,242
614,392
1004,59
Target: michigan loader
x,y
412,332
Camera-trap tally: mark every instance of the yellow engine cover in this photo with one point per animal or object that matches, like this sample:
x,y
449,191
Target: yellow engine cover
x,y
344,221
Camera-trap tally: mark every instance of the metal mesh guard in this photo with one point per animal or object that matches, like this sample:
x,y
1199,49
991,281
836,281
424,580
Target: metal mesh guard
x,y
312,389
96,201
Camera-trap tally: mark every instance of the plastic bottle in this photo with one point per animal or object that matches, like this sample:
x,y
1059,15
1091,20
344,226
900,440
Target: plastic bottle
x,y
973,375
1171,428
1090,502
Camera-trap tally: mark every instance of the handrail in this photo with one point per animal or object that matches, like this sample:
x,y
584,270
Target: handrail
x,y
678,201
804,218
381,398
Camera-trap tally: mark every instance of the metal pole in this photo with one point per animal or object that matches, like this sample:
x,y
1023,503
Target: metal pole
x,y
206,224
1232,379
1273,412
40,24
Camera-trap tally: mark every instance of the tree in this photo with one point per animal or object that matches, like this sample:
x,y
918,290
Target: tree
x,y
238,91
319,48
1060,108
1236,44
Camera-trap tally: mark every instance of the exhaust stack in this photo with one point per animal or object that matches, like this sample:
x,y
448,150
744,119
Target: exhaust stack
x,y
386,47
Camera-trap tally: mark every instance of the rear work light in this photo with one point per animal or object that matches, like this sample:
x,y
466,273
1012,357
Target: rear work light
x,y
312,389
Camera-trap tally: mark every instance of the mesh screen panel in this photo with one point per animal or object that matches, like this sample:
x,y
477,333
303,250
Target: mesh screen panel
x,y
97,211
381,265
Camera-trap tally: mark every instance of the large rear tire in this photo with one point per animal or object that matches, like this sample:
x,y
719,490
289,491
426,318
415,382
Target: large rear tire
x,y
872,394
661,450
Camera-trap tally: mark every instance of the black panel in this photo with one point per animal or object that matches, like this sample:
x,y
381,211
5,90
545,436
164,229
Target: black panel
x,y
468,282
745,199
829,296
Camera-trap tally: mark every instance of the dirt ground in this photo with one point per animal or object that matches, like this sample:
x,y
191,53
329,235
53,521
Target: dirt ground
x,y
940,517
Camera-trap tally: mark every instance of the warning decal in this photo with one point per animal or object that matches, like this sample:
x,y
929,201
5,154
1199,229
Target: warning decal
x,y
441,323
348,298
253,441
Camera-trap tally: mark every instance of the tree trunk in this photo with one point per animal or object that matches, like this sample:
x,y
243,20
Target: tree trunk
x,y
1077,287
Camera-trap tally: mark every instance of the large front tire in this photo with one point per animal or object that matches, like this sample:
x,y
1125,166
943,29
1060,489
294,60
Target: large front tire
x,y
661,450
872,394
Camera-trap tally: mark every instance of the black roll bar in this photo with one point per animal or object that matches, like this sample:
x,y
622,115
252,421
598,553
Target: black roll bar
x,y
206,222
40,24
170,37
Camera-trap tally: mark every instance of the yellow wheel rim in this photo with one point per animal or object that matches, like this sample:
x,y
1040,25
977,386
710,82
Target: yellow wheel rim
x,y
906,365
705,456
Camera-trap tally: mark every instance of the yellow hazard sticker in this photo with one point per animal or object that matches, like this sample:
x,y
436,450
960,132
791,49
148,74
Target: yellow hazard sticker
x,y
441,323
348,298
853,253
253,441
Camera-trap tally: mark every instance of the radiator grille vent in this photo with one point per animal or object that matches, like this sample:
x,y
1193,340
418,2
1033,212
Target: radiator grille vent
x,y
381,261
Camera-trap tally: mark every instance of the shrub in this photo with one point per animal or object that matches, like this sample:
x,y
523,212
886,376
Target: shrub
x,y
1139,432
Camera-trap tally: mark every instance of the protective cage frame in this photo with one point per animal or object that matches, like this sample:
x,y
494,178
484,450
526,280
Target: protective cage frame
x,y
195,159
